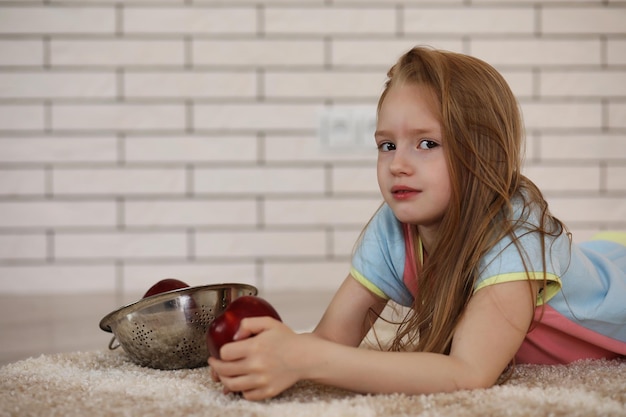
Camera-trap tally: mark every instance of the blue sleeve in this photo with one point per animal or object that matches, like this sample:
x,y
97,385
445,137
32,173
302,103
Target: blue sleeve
x,y
507,261
378,262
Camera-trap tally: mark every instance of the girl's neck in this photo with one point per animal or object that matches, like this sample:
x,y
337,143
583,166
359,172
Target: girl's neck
x,y
427,235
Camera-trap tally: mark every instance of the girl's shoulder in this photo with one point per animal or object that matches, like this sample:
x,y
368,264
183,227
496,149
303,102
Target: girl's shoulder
x,y
379,258
528,252
384,226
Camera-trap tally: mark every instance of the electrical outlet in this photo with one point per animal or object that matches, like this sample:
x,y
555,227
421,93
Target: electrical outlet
x,y
365,121
347,128
337,128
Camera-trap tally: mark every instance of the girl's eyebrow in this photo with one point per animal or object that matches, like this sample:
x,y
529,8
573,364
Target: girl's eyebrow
x,y
412,132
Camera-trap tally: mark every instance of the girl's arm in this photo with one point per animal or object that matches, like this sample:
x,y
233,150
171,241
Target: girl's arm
x,y
488,336
490,332
350,315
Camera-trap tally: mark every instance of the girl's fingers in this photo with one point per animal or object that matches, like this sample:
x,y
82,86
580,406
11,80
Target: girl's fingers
x,y
235,351
244,344
254,325
250,386
254,366
214,376
229,369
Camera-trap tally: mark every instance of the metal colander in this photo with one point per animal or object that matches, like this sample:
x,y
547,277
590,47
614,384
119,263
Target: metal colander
x,y
168,330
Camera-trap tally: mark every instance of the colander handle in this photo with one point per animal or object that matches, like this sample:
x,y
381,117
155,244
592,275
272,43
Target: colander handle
x,y
111,345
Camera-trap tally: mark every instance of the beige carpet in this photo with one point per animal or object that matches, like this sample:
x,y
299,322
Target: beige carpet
x,y
106,383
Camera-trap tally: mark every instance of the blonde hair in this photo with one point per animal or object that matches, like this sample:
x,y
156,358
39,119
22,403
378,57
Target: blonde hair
x,y
483,135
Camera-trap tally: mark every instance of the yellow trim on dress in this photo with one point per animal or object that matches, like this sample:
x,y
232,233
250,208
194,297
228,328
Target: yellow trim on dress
x,y
617,237
420,250
367,284
552,288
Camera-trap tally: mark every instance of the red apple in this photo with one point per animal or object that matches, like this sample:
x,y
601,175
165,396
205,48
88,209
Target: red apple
x,y
164,285
223,328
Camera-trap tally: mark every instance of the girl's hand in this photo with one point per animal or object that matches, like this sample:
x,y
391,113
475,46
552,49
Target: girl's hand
x,y
262,366
214,376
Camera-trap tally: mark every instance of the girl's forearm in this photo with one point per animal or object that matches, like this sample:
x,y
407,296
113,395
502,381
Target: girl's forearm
x,y
370,371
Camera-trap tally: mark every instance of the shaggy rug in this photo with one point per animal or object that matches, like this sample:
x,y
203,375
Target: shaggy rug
x,y
107,383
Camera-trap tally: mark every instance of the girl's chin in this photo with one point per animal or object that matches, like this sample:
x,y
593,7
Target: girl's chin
x,y
405,217
411,217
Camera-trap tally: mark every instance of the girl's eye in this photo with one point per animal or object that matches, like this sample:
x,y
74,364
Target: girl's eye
x,y
427,144
386,147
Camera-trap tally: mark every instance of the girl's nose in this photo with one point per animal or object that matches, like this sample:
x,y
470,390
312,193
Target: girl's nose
x,y
400,164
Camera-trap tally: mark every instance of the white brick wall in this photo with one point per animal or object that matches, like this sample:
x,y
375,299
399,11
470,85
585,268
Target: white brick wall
x,y
141,139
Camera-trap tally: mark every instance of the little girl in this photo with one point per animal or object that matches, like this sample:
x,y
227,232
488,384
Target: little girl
x,y
465,240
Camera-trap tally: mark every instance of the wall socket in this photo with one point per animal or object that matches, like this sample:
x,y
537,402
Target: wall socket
x,y
347,128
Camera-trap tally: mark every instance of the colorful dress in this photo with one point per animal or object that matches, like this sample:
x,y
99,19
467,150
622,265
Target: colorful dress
x,y
580,314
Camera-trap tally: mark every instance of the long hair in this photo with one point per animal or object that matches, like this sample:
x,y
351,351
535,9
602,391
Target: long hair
x,y
483,134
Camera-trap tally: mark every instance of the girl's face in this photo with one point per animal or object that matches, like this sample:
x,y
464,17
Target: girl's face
x,y
412,171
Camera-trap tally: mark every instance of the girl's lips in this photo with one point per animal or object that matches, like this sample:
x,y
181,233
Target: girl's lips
x,y
403,193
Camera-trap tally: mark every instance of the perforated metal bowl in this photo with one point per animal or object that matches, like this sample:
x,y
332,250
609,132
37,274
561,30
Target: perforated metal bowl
x,y
168,330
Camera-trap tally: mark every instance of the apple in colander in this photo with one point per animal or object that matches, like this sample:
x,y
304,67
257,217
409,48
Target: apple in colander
x,y
167,284
223,328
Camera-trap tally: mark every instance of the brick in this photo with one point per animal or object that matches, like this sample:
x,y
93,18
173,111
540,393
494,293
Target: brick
x,y
616,178
592,147
118,181
196,84
57,149
130,2
255,116
22,182
43,85
589,209
583,83
117,52
138,278
333,84
545,2
227,95
261,3
21,52
355,180
467,20
616,52
54,279
120,245
118,117
530,146
520,82
261,180
22,117
538,52
583,20
51,214
539,115
564,178
258,52
320,212
344,241
21,247
193,212
260,243
292,148
581,233
382,52
617,115
57,20
336,20
304,276
188,20
189,149
406,2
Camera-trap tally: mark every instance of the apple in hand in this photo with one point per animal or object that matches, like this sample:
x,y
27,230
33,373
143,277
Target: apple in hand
x,y
164,285
222,330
